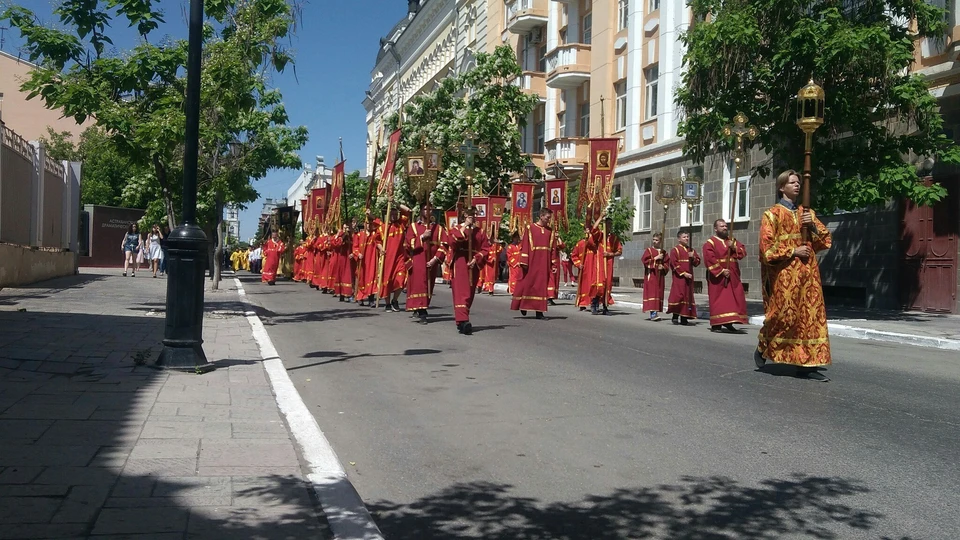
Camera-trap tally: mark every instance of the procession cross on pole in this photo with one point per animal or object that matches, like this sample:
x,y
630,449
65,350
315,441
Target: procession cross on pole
x,y
470,151
739,129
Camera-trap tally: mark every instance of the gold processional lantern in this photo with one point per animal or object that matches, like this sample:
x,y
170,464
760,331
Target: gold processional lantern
x,y
810,111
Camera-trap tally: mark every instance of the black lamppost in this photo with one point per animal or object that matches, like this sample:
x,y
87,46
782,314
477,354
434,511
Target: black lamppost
x,y
530,170
187,245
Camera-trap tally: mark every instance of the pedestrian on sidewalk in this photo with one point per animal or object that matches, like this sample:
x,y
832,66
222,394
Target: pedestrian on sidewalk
x,y
795,321
130,246
682,260
165,232
728,302
153,248
466,247
256,259
654,277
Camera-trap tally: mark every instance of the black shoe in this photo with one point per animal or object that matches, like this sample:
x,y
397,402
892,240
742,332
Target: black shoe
x,y
605,311
550,302
423,316
583,308
540,315
460,327
812,374
491,293
523,312
758,359
675,319
271,283
467,328
341,298
684,321
716,328
395,306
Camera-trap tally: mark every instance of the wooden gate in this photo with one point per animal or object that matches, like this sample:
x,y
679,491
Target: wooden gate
x,y
928,274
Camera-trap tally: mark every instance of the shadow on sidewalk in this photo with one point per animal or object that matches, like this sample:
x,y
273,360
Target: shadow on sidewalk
x,y
50,288
697,507
73,460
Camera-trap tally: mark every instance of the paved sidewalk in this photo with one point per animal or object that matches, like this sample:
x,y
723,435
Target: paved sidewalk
x,y
96,445
914,328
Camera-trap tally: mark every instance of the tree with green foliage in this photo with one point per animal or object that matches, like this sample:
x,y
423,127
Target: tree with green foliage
x,y
106,172
480,101
754,55
619,210
137,97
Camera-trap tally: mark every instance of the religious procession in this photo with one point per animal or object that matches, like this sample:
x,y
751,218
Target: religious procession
x,y
374,262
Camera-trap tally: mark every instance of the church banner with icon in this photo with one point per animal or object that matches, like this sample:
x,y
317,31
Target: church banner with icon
x,y
482,204
386,179
453,218
555,195
521,213
334,217
318,206
599,183
496,206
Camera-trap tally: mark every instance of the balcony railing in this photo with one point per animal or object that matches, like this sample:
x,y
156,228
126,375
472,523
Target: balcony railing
x,y
567,150
532,83
568,66
525,15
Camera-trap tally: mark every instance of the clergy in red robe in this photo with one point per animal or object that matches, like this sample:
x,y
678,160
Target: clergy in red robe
x,y
553,291
577,257
365,252
513,262
465,248
421,243
721,256
272,251
298,263
341,267
602,248
538,259
795,324
655,265
309,256
683,259
328,269
320,262
491,268
394,263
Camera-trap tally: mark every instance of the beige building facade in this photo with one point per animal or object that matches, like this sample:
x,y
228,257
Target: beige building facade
x,y
29,118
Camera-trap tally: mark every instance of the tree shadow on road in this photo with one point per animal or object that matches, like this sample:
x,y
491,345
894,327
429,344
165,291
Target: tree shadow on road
x,y
697,507
340,356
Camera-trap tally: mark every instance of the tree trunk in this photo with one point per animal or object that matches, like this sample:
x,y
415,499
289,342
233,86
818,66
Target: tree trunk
x,y
161,171
218,252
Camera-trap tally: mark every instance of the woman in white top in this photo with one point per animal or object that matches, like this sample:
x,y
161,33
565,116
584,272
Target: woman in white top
x,y
153,248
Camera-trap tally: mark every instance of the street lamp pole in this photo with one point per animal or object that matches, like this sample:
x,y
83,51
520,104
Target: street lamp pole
x,y
183,331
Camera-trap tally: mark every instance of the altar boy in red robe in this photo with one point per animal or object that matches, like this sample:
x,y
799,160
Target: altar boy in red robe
x,y
465,248
654,277
540,265
728,303
683,260
421,243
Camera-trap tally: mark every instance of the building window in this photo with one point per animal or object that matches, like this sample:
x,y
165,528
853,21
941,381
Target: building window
x,y
587,31
617,192
743,193
643,199
542,55
584,119
621,107
685,214
623,14
653,5
562,124
541,132
652,76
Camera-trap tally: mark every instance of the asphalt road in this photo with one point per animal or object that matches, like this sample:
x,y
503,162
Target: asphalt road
x,y
584,427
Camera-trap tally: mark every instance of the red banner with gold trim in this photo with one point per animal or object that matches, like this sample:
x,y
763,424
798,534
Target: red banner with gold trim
x,y
482,204
334,216
496,207
603,165
453,218
521,212
386,178
555,195
318,206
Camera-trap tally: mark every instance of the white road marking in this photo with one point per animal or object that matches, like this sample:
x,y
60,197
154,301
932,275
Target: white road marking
x,y
348,517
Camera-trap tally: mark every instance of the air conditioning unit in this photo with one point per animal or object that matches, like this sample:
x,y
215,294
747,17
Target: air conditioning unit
x,y
536,36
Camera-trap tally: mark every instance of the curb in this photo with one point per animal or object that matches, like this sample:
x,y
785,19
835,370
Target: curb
x,y
842,330
346,514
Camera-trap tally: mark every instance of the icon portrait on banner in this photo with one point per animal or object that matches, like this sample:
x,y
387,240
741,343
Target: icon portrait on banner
x,y
414,167
603,160
691,190
497,210
668,191
481,210
522,200
555,197
452,222
433,161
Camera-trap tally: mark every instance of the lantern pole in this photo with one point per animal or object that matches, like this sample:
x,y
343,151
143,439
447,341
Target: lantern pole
x,y
741,130
810,113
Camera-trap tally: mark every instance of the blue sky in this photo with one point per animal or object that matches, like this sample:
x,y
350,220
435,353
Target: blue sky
x,y
336,44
